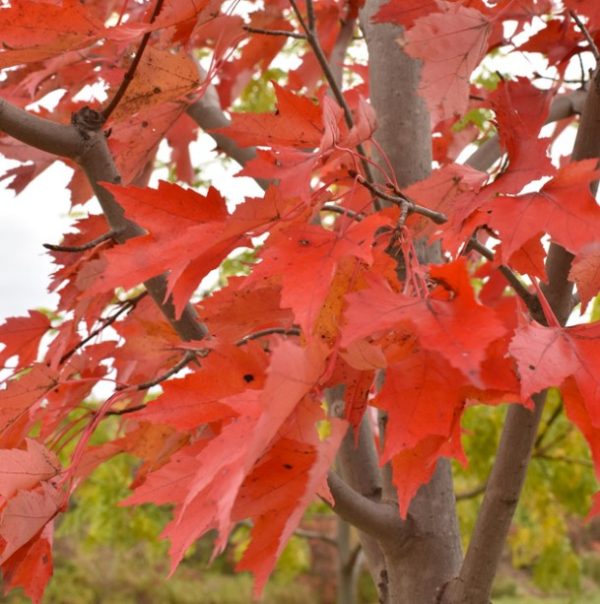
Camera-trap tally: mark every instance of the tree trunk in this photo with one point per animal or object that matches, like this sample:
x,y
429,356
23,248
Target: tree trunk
x,y
428,553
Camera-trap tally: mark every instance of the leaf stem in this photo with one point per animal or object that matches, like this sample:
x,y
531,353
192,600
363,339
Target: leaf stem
x,y
294,331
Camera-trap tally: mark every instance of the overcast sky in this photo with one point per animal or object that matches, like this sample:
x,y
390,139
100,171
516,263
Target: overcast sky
x,y
40,214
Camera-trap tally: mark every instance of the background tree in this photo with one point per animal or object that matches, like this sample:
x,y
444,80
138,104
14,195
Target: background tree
x,y
369,280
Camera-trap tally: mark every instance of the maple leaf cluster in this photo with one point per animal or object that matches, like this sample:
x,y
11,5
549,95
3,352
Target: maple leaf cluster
x,y
338,292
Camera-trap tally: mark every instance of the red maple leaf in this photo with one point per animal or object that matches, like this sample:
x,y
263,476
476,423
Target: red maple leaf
x,y
21,336
34,31
547,356
438,322
450,44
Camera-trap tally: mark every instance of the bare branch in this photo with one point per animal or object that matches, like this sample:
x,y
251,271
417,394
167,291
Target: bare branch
x,y
586,35
475,492
104,323
312,37
377,519
404,202
274,32
530,300
332,207
189,355
565,459
128,78
551,421
499,503
97,163
81,248
90,150
39,132
521,426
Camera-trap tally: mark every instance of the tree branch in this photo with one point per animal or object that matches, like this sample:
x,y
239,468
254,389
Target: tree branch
x,y
189,355
499,503
312,37
80,248
209,115
274,32
405,202
530,300
376,519
128,78
586,35
521,426
475,492
104,323
90,150
39,132
294,331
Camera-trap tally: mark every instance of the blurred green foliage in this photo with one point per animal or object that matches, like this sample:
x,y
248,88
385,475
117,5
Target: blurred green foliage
x,y
259,94
558,489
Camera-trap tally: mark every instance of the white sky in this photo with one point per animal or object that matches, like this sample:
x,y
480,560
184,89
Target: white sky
x,y
40,214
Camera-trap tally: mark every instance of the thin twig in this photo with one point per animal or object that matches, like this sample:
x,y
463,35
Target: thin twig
x,y
312,37
551,421
475,492
125,306
274,32
313,40
128,78
564,459
332,207
558,438
586,34
530,300
81,248
310,15
294,331
402,200
189,355
126,410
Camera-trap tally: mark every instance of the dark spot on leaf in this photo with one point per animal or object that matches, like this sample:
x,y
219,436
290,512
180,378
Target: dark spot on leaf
x,y
288,466
304,242
532,367
248,377
156,90
144,124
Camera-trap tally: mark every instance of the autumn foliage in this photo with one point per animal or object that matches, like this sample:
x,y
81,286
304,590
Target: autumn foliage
x,y
338,289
